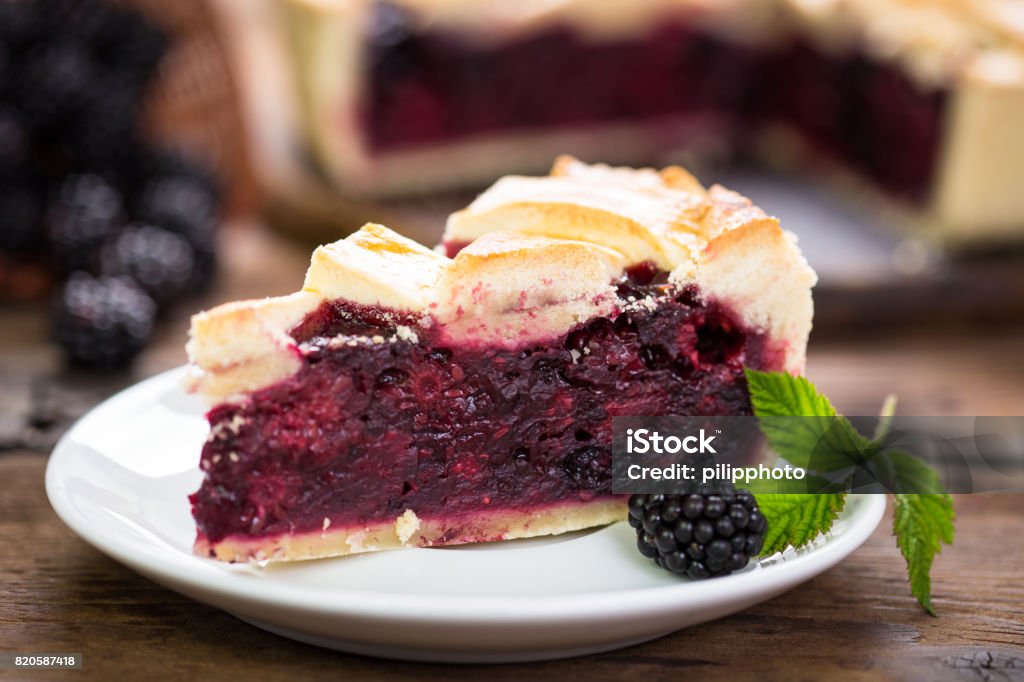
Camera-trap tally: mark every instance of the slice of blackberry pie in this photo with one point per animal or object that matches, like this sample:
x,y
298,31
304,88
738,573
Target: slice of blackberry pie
x,y
415,397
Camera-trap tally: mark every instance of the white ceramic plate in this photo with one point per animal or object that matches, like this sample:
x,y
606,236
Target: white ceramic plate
x,y
121,479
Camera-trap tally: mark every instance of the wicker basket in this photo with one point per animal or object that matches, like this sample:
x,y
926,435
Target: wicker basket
x,y
194,103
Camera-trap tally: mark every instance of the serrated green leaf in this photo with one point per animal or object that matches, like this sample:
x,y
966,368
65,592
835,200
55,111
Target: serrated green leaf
x,y
797,519
783,404
776,394
922,524
901,472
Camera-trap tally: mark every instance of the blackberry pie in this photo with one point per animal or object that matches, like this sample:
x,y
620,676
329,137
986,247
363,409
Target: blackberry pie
x,y
918,102
415,397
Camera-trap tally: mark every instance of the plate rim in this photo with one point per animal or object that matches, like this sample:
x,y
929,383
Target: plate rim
x,y
182,571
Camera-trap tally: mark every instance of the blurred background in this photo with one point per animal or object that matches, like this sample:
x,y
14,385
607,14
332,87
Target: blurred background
x,y
157,158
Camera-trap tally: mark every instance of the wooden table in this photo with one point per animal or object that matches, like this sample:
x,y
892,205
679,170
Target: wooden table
x,y
856,622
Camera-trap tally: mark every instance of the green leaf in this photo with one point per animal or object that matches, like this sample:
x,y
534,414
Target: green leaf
x,y
777,394
901,472
922,524
797,519
783,404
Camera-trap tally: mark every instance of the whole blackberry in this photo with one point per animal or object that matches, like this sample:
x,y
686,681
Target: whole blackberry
x,y
157,162
183,205
701,535
187,206
125,41
85,212
102,322
159,261
55,81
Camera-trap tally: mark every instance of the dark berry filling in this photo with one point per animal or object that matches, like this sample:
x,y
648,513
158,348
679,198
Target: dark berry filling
x,y
869,115
426,87
452,248
362,433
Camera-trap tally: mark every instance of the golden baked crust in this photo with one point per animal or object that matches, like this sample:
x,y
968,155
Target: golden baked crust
x,y
376,267
644,214
408,530
508,289
714,238
541,256
239,346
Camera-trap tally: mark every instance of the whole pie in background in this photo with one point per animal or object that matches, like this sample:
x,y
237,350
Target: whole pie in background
x,y
916,102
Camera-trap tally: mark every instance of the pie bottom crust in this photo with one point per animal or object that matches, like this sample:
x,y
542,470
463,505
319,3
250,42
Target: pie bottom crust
x,y
408,530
